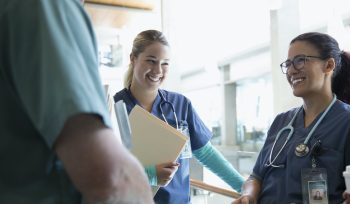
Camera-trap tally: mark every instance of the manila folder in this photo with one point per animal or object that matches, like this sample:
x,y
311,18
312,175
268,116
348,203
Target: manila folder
x,y
153,140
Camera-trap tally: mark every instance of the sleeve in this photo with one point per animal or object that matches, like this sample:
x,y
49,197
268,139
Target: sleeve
x,y
54,65
259,167
200,135
152,175
216,162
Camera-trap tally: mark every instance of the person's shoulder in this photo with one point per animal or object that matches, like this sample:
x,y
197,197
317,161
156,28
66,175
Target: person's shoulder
x,y
120,95
289,113
342,108
341,111
284,118
6,6
343,105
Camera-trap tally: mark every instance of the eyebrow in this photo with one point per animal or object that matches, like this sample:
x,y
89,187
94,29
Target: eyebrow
x,y
300,55
151,56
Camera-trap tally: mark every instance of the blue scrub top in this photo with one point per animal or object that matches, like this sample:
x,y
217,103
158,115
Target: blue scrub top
x,y
283,185
177,191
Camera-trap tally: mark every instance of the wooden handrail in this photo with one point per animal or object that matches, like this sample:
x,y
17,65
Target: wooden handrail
x,y
134,4
214,189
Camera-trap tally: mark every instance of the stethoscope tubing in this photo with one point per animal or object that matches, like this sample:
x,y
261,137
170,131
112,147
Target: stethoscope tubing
x,y
286,128
291,131
164,101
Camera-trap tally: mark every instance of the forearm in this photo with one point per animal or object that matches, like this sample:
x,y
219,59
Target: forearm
x,y
98,164
126,184
251,188
216,162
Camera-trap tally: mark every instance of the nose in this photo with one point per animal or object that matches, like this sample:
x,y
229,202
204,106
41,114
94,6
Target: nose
x,y
157,68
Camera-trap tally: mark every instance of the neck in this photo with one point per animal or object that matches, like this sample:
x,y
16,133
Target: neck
x,y
313,106
144,97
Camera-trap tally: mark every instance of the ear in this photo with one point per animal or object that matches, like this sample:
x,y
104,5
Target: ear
x,y
330,65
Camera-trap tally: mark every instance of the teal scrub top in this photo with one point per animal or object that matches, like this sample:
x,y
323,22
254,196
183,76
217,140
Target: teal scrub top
x,y
48,73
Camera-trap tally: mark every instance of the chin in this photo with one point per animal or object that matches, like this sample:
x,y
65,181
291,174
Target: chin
x,y
154,85
299,93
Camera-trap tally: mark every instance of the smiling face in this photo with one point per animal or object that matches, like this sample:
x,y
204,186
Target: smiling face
x,y
314,76
150,67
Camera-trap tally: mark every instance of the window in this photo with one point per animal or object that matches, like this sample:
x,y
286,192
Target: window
x,y
254,103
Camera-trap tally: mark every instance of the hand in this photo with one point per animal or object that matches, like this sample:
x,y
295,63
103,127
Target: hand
x,y
244,199
346,195
165,172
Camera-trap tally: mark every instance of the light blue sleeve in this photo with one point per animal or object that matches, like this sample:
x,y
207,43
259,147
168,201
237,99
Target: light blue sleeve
x,y
152,175
211,158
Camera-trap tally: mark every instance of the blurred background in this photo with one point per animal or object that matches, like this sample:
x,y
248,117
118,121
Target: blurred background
x,y
225,58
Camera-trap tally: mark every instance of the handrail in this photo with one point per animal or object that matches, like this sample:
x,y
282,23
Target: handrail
x,y
134,4
215,189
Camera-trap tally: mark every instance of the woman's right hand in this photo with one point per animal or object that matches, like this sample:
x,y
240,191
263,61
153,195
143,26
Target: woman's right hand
x,y
245,199
250,192
346,195
165,172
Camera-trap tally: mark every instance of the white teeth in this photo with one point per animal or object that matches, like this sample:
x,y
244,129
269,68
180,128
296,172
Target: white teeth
x,y
155,79
294,81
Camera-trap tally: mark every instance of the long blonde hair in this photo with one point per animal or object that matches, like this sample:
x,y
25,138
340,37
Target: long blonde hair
x,y
141,41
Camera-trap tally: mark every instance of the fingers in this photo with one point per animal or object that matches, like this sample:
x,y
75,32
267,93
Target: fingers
x,y
170,164
242,200
245,200
165,172
238,201
168,169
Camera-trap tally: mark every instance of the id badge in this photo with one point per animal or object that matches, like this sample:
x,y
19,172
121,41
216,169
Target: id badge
x,y
187,150
314,186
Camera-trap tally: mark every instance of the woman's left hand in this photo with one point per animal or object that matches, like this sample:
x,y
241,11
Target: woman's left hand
x,y
165,172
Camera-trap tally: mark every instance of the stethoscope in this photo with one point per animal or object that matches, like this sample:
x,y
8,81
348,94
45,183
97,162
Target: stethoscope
x,y
162,103
301,149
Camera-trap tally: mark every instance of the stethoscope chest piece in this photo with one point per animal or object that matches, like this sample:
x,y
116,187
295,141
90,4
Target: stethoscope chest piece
x,y
301,150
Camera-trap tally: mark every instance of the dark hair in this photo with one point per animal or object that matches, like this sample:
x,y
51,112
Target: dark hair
x,y
328,47
141,41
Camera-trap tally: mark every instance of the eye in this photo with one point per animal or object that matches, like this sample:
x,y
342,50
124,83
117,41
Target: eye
x,y
299,60
165,64
151,61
